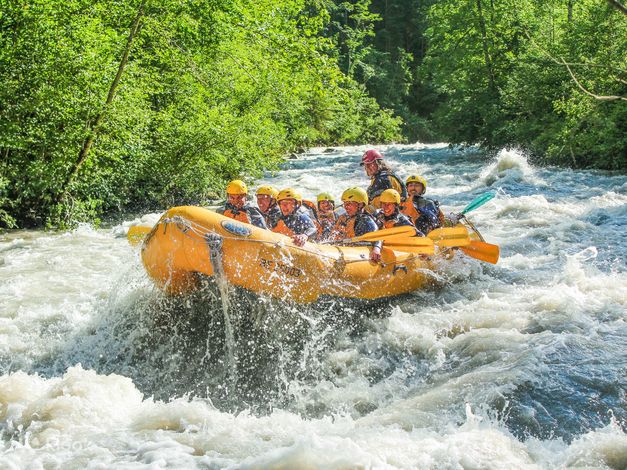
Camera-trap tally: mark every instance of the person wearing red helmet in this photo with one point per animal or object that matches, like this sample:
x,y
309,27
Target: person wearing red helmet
x,y
381,177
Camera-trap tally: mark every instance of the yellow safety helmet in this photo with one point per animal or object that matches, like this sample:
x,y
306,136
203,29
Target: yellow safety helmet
x,y
390,195
355,194
268,190
236,187
325,197
289,193
417,179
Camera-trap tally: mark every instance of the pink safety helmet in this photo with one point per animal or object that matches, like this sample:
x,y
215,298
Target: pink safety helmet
x,y
370,156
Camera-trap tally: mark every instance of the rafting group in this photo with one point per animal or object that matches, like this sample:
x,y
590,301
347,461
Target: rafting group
x,y
388,202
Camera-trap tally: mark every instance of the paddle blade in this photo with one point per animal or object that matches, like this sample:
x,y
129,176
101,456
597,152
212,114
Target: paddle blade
x,y
419,245
388,233
478,202
137,233
450,236
482,251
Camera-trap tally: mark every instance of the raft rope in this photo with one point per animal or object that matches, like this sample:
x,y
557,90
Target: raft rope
x,y
202,231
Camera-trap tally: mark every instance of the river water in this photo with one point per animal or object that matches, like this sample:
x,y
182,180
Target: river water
x,y
522,364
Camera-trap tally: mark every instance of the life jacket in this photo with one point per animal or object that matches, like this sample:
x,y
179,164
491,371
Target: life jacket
x,y
409,209
428,214
349,227
297,223
311,207
247,214
325,224
396,220
382,181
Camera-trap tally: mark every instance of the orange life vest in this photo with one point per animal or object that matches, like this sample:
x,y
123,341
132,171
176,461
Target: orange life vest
x,y
241,215
344,227
280,227
408,208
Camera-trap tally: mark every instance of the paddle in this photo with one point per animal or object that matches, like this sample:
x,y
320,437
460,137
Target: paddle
x,y
478,202
482,251
380,235
450,236
136,234
474,204
419,245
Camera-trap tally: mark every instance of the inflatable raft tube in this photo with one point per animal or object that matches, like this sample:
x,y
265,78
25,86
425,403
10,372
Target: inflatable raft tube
x,y
188,241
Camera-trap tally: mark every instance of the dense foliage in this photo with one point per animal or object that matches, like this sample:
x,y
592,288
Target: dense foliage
x,y
498,72
105,104
110,105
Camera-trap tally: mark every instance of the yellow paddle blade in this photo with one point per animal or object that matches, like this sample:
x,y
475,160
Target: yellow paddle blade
x,y
453,236
482,251
137,233
409,241
418,245
387,233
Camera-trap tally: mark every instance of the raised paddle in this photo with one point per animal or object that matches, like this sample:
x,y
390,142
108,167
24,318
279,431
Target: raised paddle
x,y
137,233
478,202
450,236
482,251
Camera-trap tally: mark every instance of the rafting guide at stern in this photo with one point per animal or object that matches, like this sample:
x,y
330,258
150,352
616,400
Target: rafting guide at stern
x,y
381,178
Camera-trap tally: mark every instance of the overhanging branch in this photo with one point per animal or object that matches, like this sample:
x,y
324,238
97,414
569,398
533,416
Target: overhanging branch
x,y
618,5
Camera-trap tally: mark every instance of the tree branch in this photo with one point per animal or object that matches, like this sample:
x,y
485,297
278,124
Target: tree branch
x,y
561,61
618,5
598,97
94,128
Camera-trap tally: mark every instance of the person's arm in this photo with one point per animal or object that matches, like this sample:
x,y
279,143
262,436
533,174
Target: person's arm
x,y
366,224
308,229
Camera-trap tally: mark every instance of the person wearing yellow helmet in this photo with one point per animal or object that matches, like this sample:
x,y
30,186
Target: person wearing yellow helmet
x,y
267,203
293,222
390,215
326,215
425,213
237,208
381,177
356,221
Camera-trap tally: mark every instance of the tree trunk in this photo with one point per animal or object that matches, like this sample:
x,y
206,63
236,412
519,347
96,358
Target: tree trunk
x,y
570,10
486,51
94,126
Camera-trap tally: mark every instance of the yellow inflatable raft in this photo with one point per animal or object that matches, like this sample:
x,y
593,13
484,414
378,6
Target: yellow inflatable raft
x,y
188,241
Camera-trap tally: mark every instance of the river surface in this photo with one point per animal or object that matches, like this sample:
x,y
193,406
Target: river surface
x,y
522,364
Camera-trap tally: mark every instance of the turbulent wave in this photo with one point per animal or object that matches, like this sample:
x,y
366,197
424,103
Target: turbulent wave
x,y
518,365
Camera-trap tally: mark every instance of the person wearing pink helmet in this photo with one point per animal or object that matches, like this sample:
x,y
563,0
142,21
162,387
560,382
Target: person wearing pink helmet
x,y
381,177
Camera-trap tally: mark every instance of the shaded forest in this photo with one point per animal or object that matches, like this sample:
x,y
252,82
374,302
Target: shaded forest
x,y
114,106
